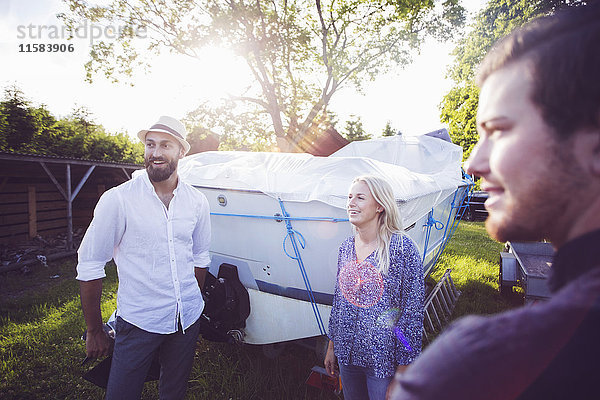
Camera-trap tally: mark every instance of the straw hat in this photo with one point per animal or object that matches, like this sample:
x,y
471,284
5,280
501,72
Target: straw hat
x,y
171,126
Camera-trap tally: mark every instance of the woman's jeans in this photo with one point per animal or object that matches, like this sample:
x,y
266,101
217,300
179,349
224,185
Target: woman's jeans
x,y
359,383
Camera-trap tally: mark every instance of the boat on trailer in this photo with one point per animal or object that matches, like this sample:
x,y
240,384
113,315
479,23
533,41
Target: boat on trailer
x,y
278,220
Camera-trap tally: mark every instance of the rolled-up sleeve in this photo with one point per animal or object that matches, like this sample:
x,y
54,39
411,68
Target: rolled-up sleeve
x,y
413,293
202,235
101,238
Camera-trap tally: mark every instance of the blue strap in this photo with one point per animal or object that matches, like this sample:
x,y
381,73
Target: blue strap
x,y
434,222
431,222
279,218
291,234
302,243
460,204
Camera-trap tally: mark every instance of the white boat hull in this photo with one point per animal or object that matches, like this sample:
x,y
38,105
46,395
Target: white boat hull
x,y
248,232
248,193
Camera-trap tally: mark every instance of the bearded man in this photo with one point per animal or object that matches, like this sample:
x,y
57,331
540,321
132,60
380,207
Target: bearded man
x,y
538,156
157,230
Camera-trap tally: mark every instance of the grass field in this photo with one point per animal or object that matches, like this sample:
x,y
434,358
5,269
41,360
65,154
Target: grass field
x,y
474,260
41,324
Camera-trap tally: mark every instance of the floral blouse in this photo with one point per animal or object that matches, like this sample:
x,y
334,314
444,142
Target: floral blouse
x,y
376,319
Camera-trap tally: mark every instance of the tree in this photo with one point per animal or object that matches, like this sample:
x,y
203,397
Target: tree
x,y
48,138
18,120
354,130
388,130
83,116
34,130
499,17
113,147
458,110
300,52
238,127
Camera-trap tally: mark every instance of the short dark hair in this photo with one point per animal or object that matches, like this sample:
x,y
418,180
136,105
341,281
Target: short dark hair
x,y
564,52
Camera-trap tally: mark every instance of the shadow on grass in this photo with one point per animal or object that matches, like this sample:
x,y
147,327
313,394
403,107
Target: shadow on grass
x,y
478,298
223,371
227,371
481,298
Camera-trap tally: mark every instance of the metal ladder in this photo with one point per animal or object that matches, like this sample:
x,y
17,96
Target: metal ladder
x,y
439,305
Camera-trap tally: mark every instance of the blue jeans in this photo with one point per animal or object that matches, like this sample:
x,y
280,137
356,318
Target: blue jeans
x,y
134,350
359,383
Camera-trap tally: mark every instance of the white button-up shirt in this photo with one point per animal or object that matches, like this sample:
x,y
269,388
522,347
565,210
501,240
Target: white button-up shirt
x,y
155,248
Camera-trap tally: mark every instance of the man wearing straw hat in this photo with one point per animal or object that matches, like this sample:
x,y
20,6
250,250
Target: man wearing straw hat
x,y
157,229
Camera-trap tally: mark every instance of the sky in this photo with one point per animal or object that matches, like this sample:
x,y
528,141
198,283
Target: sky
x,y
408,97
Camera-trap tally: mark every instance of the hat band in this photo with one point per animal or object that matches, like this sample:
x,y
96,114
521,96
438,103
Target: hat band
x,y
166,128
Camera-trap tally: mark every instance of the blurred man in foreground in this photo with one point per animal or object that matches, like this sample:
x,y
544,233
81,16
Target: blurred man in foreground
x,y
539,159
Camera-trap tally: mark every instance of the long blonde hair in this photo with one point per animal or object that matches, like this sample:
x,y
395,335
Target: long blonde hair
x,y
389,220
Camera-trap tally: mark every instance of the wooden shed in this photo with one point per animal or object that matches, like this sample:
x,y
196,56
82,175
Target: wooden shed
x,y
46,195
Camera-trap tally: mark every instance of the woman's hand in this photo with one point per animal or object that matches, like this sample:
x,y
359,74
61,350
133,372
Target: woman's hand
x,y
330,360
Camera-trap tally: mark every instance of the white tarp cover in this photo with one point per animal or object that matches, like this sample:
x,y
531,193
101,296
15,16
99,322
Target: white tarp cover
x,y
422,170
422,154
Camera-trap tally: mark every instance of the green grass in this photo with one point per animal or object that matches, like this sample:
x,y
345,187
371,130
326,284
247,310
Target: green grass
x,y
474,258
40,330
41,349
41,324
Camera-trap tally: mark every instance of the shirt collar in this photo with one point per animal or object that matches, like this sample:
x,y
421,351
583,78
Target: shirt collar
x,y
144,176
146,179
575,258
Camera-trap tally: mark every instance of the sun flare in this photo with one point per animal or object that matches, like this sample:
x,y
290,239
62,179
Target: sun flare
x,y
220,73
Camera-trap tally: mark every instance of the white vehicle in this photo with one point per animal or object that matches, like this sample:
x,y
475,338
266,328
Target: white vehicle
x,y
279,218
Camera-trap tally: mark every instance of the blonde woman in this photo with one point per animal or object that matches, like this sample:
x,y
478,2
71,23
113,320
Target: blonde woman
x,y
377,315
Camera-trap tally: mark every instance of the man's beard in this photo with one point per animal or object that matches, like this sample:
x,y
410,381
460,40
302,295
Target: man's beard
x,y
160,174
534,213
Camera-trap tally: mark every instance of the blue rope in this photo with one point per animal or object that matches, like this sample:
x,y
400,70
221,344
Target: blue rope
x,y
462,205
434,222
281,217
465,203
443,245
291,233
431,222
302,244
